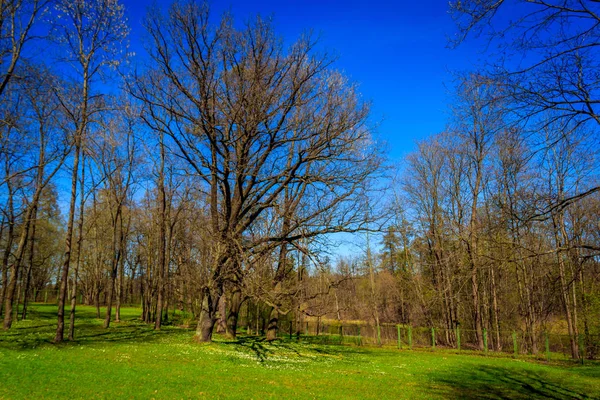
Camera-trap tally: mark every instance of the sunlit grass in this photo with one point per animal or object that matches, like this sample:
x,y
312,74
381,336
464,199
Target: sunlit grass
x,y
131,360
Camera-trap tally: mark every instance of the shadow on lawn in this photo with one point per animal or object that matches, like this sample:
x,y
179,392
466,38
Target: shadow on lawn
x,y
493,382
30,338
263,349
256,344
41,328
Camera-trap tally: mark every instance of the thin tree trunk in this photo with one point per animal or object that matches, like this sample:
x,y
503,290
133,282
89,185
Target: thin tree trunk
x,y
161,237
16,266
372,282
111,287
167,287
9,244
64,275
496,310
30,263
584,309
79,242
120,278
97,301
564,290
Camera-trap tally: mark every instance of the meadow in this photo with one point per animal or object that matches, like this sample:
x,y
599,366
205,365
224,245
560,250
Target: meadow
x,y
131,360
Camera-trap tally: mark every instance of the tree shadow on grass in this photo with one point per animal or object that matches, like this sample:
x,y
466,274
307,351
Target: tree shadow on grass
x,y
493,382
264,349
258,345
86,332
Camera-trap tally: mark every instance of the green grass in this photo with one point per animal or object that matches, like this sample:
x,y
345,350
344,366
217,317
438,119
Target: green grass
x,y
130,360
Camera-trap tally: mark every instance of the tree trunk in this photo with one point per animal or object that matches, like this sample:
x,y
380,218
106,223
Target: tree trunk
x,y
64,274
120,278
496,310
477,321
207,320
272,325
16,266
233,314
30,263
116,247
97,301
9,244
109,299
111,287
79,242
162,237
222,319
564,290
4,278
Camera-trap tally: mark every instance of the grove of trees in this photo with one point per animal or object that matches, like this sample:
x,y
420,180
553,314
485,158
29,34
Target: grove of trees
x,y
212,177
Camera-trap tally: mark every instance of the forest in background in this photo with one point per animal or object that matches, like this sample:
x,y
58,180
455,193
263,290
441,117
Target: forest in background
x,y
212,177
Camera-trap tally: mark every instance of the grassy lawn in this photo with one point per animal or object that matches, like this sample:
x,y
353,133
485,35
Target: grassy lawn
x,y
130,360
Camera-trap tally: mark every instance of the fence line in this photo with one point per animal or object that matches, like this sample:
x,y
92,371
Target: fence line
x,y
551,346
515,342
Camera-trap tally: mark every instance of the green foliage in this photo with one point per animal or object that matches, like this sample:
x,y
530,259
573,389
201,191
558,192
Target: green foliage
x,y
131,360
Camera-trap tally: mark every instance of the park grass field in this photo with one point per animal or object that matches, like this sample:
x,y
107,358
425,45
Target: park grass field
x,y
131,360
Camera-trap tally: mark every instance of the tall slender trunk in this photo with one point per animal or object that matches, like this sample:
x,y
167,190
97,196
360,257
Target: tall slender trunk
x,y
30,263
564,288
3,282
123,235
477,320
18,295
148,294
9,243
16,267
116,250
79,242
373,291
64,276
97,300
525,288
573,279
162,199
533,315
584,310
39,186
167,285
472,245
496,309
29,217
113,276
280,274
120,278
257,316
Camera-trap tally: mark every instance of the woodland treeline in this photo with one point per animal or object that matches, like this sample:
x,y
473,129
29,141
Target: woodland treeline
x,y
212,174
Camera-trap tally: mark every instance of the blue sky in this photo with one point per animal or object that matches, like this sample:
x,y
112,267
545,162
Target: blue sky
x,y
396,51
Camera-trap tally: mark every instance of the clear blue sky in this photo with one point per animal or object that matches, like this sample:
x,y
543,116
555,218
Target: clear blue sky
x,y
396,51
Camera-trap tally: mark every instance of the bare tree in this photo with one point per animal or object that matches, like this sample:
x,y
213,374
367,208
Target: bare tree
x,y
251,118
116,155
548,60
17,17
92,32
39,91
